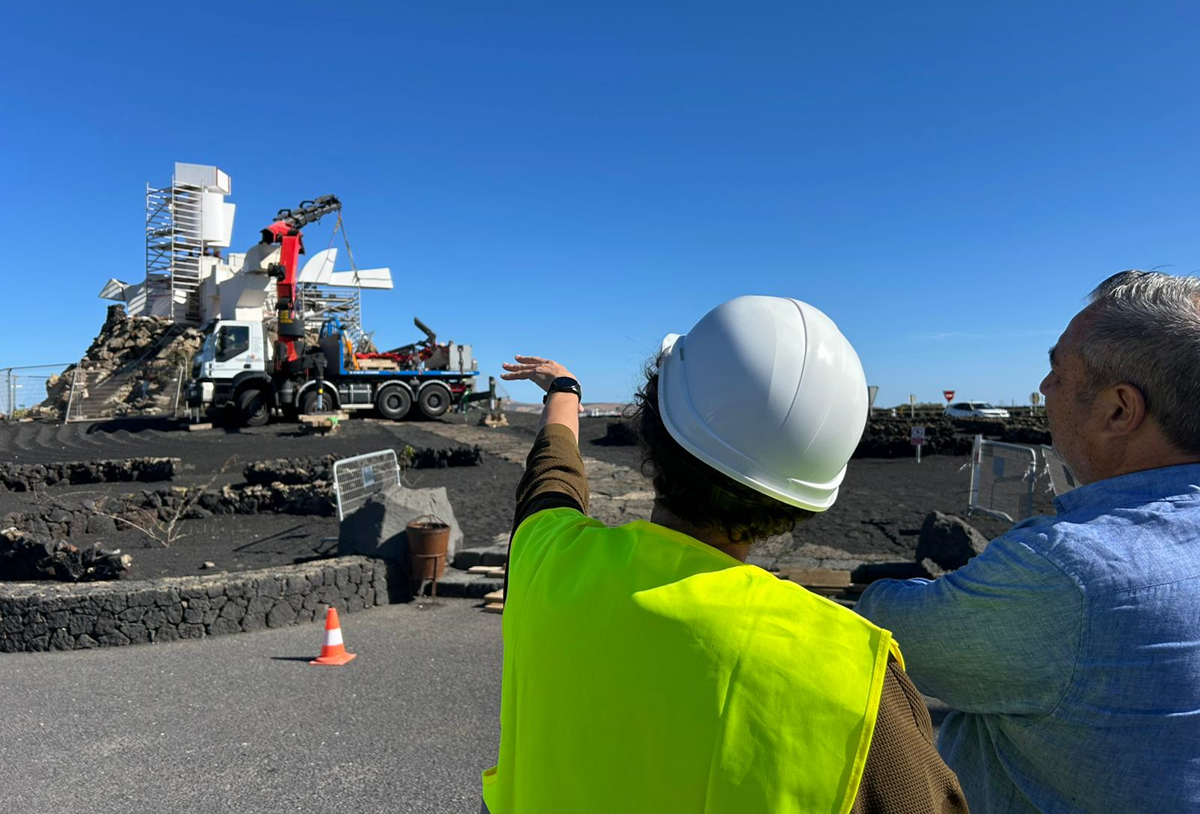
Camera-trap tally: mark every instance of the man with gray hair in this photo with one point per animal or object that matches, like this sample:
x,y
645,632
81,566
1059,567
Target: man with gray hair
x,y
1070,648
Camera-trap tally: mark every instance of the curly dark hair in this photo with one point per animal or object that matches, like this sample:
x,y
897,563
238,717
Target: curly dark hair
x,y
695,492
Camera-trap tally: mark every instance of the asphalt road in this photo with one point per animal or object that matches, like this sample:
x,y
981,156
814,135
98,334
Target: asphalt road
x,y
243,724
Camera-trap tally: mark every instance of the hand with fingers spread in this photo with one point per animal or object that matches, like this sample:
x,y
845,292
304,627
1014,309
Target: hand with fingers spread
x,y
535,369
543,373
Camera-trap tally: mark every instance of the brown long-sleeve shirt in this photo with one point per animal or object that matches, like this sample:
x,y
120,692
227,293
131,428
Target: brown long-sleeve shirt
x,y
904,773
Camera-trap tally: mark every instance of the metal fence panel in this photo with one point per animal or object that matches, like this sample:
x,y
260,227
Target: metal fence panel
x,y
144,388
356,479
25,387
1002,480
1062,479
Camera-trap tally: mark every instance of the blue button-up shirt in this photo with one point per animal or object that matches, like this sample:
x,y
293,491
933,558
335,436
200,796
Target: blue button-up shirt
x,y
1070,650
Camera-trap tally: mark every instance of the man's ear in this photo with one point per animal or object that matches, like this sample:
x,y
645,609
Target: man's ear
x,y
1125,407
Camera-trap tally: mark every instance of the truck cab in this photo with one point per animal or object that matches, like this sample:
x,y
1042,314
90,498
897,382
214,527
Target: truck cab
x,y
233,355
231,347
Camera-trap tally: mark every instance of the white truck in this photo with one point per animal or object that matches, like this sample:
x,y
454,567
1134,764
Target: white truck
x,y
235,370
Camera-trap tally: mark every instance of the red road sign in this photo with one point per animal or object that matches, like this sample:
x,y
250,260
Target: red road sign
x,y
949,394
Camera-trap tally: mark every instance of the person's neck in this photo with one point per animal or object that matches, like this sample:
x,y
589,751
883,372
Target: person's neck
x,y
1152,452
709,535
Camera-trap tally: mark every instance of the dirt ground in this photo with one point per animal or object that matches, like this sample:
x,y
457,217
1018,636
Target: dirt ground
x,y
877,517
482,496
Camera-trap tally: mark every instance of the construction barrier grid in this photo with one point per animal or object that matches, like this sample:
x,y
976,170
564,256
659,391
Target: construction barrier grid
x,y
356,479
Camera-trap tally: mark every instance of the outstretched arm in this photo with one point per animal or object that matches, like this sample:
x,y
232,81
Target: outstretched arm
x,y
561,408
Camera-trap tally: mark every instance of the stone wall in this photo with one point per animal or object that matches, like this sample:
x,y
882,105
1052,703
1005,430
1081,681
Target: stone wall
x,y
54,616
27,477
69,518
887,437
311,469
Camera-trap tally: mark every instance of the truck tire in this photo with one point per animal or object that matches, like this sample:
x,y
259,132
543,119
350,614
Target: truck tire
x,y
434,400
253,408
308,404
394,402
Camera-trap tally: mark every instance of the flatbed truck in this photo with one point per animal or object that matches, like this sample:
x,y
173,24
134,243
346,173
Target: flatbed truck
x,y
235,372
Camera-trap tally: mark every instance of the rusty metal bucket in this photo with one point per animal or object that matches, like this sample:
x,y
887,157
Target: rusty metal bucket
x,y
428,545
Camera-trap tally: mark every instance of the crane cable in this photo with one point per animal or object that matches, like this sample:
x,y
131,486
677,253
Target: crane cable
x,y
349,251
367,338
300,284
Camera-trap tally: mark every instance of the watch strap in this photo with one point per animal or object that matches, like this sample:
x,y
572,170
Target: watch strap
x,y
563,384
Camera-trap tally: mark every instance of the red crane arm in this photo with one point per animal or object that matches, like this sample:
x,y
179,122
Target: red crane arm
x,y
286,232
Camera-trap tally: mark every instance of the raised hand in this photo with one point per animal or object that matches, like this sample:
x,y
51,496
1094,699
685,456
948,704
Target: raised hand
x,y
535,369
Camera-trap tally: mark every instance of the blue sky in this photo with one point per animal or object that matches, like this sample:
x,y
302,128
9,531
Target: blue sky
x,y
946,180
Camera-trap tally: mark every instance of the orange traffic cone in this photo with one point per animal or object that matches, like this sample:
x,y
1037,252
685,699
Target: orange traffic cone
x,y
333,652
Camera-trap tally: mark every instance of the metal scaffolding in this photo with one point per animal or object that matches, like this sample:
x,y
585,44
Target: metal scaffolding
x,y
184,222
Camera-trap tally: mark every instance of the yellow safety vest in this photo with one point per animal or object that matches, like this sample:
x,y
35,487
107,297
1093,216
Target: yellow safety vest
x,y
645,671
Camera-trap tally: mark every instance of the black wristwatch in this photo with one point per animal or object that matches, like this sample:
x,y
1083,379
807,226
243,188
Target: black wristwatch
x,y
563,384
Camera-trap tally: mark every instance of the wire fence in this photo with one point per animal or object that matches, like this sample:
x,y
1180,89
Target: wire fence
x,y
24,387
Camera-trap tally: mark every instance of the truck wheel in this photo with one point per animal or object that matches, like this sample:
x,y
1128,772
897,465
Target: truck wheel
x,y
253,408
393,402
308,404
434,400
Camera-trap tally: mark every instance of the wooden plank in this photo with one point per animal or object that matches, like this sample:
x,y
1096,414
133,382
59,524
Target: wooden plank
x,y
324,418
816,577
378,364
487,570
494,596
824,590
199,426
494,607
323,423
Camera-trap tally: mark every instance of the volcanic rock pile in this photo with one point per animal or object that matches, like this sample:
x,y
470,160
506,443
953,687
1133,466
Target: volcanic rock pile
x,y
145,351
431,458
25,557
291,471
28,477
315,498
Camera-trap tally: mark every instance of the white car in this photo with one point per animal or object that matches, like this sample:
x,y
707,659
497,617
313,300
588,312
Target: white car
x,y
975,409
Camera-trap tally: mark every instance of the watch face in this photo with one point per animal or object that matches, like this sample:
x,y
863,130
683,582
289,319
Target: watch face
x,y
565,384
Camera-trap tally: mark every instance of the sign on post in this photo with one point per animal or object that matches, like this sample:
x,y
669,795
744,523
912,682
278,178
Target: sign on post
x,y
949,395
1035,398
872,392
912,404
918,440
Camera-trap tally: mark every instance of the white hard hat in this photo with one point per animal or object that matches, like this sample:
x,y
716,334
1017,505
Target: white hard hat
x,y
767,391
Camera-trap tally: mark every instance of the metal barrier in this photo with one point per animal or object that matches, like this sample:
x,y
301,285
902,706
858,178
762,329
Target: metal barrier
x,y
26,386
145,388
356,479
1062,479
1002,480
